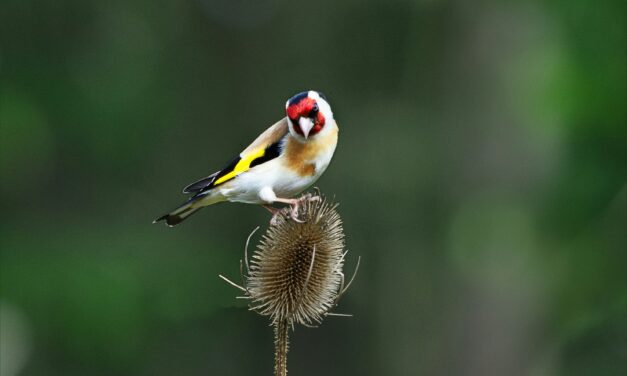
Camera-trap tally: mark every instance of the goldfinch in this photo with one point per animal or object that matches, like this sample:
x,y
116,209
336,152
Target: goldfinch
x,y
282,162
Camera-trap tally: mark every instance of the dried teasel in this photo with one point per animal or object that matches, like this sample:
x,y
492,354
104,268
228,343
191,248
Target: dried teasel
x,y
295,274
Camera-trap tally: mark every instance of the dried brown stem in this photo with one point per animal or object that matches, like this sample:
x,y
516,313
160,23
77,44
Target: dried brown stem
x,y
281,344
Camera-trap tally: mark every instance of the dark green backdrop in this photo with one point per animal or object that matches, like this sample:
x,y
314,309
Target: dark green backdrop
x,y
480,172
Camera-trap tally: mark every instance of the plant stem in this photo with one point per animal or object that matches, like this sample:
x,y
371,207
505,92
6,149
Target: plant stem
x,y
280,348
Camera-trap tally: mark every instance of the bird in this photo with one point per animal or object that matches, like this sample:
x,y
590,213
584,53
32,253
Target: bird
x,y
282,162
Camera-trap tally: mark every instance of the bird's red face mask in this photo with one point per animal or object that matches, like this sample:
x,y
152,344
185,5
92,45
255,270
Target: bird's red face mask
x,y
306,116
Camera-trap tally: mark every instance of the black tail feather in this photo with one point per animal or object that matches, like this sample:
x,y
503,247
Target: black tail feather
x,y
177,216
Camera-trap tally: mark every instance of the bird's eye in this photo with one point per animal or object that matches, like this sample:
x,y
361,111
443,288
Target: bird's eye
x,y
315,109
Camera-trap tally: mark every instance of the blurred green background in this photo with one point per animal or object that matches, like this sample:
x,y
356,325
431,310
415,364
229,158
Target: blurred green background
x,y
481,172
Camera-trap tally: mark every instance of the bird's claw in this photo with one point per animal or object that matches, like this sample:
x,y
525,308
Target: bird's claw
x,y
314,198
305,198
275,218
293,213
308,197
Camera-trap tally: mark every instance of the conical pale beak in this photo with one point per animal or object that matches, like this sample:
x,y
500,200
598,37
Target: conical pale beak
x,y
305,125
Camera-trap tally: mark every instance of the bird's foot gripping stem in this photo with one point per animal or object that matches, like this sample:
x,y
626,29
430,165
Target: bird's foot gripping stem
x,y
294,203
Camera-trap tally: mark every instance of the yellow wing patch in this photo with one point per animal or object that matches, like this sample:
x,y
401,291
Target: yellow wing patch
x,y
241,166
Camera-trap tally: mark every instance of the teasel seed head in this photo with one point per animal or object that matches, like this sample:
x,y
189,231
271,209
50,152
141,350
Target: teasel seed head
x,y
295,275
296,271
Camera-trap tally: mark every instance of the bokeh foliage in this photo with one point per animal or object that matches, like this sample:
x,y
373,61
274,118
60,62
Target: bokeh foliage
x,y
481,174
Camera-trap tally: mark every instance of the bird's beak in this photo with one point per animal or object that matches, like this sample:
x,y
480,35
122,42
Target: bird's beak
x,y
305,125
